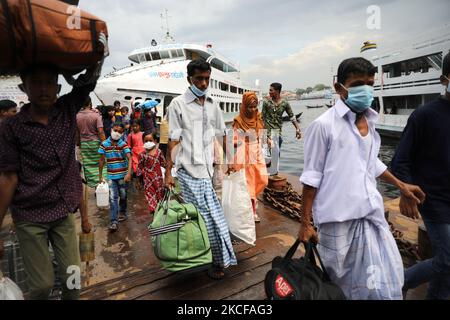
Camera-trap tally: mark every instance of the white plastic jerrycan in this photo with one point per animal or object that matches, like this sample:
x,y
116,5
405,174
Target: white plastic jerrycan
x,y
102,193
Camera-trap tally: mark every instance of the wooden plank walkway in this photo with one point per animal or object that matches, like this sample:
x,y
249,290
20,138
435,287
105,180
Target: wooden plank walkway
x,y
276,233
125,267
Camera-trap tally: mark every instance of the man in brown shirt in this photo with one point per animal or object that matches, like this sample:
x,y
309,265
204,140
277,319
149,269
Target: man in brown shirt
x,y
40,180
90,129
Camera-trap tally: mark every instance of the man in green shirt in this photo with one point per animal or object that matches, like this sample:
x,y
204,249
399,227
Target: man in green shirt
x,y
272,114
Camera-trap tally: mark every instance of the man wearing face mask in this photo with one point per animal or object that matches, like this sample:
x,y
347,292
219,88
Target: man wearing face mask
x,y
117,155
340,189
423,158
195,121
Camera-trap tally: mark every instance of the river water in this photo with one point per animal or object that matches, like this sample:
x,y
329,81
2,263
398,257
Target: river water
x,y
292,149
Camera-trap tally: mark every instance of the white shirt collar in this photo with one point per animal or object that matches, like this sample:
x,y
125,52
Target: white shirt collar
x,y
342,109
191,97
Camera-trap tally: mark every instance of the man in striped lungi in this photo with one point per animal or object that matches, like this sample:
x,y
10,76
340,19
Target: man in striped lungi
x,y
90,128
194,122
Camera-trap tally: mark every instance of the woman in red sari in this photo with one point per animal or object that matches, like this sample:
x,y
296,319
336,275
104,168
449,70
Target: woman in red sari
x,y
149,170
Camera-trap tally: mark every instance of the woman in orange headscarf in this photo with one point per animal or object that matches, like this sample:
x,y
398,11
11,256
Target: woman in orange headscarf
x,y
247,132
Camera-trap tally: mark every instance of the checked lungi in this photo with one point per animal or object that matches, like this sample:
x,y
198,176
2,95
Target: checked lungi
x,y
91,159
362,258
200,192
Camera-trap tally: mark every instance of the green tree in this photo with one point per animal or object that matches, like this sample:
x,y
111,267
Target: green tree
x,y
319,87
300,92
309,90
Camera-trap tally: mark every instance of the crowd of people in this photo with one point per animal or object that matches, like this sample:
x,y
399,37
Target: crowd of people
x,y
40,180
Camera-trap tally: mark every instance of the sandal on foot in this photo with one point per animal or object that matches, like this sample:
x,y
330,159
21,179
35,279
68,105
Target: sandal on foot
x,y
216,273
113,226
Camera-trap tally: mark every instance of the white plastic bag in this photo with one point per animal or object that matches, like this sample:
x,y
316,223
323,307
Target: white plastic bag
x,y
9,290
267,154
237,207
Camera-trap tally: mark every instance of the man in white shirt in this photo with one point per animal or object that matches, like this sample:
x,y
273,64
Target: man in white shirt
x,y
195,121
340,189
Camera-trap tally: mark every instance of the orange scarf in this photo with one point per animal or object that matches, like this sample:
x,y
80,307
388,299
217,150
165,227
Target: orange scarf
x,y
242,121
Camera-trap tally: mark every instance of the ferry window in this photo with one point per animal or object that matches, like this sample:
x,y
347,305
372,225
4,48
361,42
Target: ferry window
x,y
148,99
180,52
141,57
167,101
138,98
156,56
241,91
417,65
147,56
165,55
227,107
223,86
217,87
221,106
128,98
174,53
233,89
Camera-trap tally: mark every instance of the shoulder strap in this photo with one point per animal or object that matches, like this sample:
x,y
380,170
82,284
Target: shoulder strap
x,y
33,31
12,40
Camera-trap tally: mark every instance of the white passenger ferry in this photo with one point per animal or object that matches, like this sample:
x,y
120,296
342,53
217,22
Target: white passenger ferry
x,y
408,77
9,90
159,72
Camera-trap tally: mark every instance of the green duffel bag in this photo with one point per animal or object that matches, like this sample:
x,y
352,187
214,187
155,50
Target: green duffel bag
x,y
179,236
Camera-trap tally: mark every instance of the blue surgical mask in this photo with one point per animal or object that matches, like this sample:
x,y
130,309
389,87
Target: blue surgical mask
x,y
199,93
360,98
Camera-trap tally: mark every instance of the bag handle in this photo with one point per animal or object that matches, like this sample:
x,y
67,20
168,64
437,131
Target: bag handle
x,y
311,253
11,36
315,253
164,202
167,196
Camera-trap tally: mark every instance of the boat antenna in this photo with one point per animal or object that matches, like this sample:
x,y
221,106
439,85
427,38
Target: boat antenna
x,y
168,37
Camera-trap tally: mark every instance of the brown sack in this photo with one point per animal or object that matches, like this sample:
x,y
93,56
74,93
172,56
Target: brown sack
x,y
40,32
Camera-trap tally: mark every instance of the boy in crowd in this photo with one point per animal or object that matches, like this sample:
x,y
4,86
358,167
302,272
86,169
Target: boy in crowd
x,y
8,109
117,155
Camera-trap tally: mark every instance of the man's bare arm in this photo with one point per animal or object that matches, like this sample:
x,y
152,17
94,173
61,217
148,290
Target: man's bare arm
x,y
306,231
411,195
101,164
8,185
130,168
169,162
101,134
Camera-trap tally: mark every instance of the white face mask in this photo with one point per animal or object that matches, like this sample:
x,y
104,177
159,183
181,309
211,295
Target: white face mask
x,y
115,135
149,145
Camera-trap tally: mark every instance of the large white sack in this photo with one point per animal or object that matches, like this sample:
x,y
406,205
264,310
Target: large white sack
x,y
237,207
9,290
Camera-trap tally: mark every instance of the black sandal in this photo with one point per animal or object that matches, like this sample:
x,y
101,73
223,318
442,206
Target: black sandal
x,y
216,273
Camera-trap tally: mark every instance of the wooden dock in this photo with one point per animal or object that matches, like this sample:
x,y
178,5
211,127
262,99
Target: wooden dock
x,y
126,269
276,233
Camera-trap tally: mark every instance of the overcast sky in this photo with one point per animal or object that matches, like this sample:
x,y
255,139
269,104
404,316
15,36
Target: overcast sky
x,y
295,42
